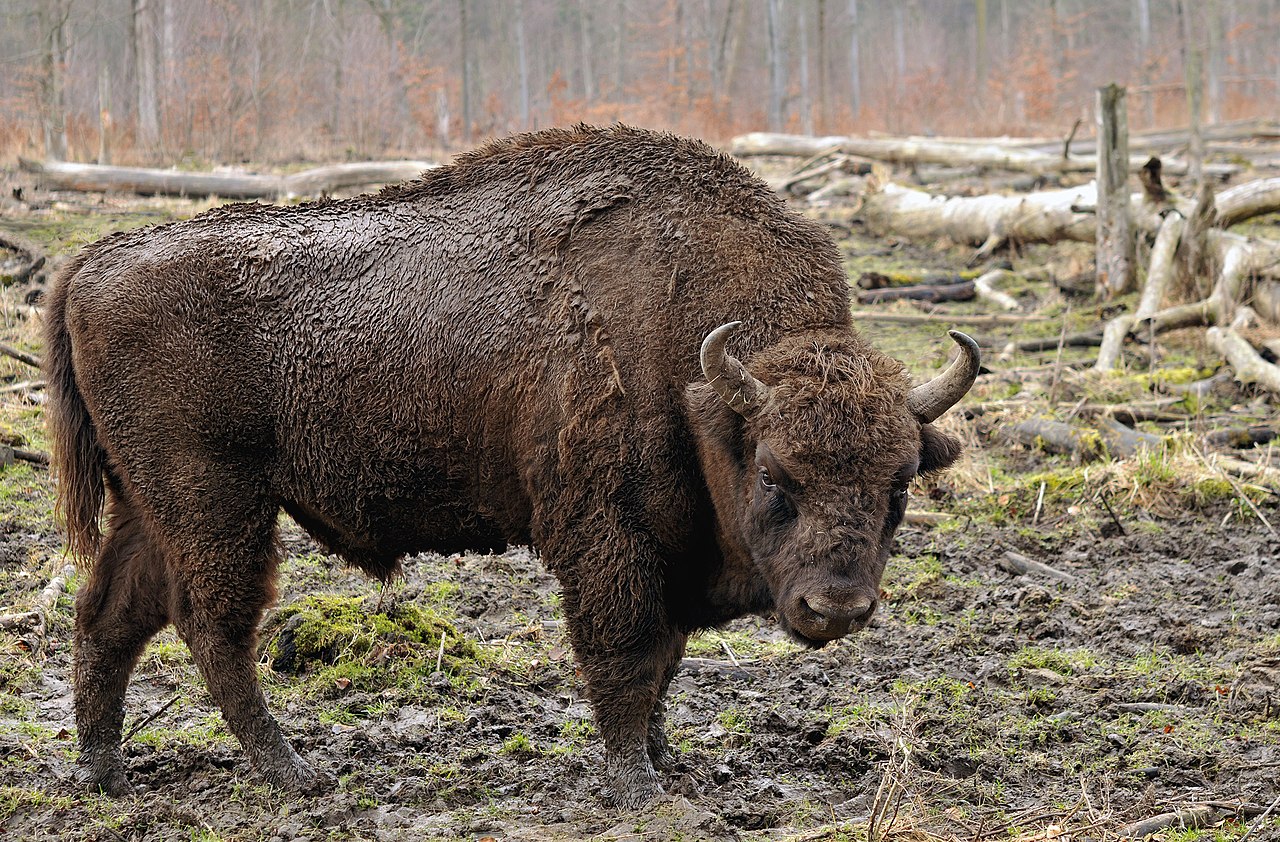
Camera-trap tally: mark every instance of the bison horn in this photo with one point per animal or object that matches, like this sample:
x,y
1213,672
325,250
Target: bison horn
x,y
929,400
729,377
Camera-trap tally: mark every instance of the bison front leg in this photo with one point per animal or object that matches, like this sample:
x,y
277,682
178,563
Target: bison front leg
x,y
659,748
628,652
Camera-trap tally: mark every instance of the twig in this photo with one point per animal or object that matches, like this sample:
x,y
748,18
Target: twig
x,y
1066,145
1110,511
1261,819
1039,504
440,654
979,319
724,644
20,355
1193,817
148,720
1057,360
1240,493
24,385
1018,564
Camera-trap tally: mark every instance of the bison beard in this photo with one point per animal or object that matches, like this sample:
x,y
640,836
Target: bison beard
x,y
507,350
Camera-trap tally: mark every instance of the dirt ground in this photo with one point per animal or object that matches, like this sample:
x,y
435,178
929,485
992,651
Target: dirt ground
x,y
1140,675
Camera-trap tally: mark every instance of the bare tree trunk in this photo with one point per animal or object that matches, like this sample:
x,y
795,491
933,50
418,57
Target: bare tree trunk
x,y
1145,61
522,57
719,49
823,101
806,100
584,36
464,46
1115,236
385,12
981,56
776,82
1194,79
620,49
53,16
1213,10
855,62
144,56
900,55
104,115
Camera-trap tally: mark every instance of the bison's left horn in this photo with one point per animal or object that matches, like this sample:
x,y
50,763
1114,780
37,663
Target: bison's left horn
x,y
729,377
929,400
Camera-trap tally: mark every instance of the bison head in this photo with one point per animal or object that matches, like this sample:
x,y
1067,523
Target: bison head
x,y
809,470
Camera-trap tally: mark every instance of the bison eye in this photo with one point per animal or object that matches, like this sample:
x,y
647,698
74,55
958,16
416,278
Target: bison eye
x,y
766,481
900,494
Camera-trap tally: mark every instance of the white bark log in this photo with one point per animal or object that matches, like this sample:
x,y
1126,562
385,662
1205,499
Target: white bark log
x,y
1160,269
94,178
1248,364
1044,216
947,153
1247,200
985,287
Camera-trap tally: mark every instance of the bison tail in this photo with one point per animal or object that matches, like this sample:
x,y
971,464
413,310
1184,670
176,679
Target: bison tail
x,y
78,458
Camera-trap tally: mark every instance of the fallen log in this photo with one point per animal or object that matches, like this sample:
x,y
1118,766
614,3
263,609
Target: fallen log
x,y
1042,217
981,319
1082,339
909,151
27,251
37,619
1247,200
932,293
985,287
1193,817
1111,437
8,455
19,354
60,175
1241,438
1247,364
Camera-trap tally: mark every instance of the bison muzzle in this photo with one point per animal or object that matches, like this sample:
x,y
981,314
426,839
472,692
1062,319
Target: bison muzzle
x,y
539,344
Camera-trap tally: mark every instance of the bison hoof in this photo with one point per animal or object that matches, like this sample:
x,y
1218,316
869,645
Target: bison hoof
x,y
637,797
293,774
633,785
110,781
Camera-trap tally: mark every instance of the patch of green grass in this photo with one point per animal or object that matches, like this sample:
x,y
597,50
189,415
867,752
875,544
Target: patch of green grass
x,y
742,642
13,799
1061,661
338,643
207,731
577,732
16,674
518,744
734,720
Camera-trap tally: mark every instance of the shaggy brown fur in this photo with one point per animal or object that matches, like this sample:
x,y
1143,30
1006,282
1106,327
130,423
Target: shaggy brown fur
x,y
504,351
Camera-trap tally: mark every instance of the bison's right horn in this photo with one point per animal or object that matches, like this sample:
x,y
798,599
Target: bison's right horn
x,y
729,377
929,400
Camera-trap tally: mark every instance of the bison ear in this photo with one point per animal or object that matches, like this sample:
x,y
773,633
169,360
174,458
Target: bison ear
x,y
712,418
938,450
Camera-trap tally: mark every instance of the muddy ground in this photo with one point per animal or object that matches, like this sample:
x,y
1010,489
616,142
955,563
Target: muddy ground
x,y
981,704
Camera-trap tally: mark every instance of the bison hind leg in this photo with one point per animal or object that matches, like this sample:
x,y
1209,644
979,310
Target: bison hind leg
x,y
118,610
224,582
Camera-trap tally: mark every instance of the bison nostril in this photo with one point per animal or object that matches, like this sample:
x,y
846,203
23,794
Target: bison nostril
x,y
819,618
860,611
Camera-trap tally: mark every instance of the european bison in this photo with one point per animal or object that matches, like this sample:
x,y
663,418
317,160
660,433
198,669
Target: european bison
x,y
528,346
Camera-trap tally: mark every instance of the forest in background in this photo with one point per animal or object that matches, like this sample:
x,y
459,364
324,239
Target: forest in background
x,y
163,81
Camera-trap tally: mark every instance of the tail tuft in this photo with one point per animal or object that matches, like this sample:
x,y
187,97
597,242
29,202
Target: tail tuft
x,y
78,460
